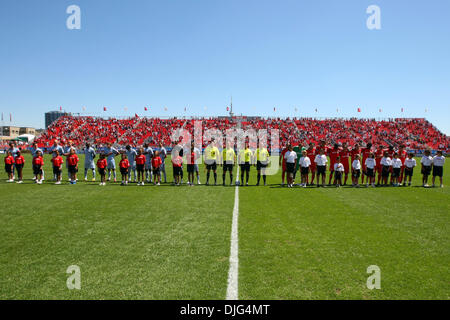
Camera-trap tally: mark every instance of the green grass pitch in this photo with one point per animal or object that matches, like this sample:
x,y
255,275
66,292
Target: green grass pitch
x,y
170,242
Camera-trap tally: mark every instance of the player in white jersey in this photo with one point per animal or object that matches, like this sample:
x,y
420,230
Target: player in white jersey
x,y
110,153
131,156
427,163
89,155
438,168
370,165
148,152
410,164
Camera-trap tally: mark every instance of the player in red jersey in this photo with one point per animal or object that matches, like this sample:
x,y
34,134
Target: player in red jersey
x,y
38,163
282,163
124,166
9,163
72,162
365,154
402,154
101,165
19,161
355,152
140,166
334,153
311,154
379,154
345,159
57,162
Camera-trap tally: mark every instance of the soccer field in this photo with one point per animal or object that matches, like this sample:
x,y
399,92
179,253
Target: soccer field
x,y
173,242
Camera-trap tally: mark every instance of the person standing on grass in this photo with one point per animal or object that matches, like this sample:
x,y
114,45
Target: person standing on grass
x,y
402,154
228,161
72,161
156,165
67,152
365,155
191,157
19,162
198,156
396,169
124,167
356,170
355,153
56,147
131,156
89,155
379,168
438,167
111,152
9,163
410,164
140,166
338,171
245,158
282,163
305,163
311,151
162,155
298,149
148,152
427,163
13,149
334,153
211,158
386,164
102,163
38,163
34,149
262,160
57,162
321,161
177,162
345,160
371,164
291,159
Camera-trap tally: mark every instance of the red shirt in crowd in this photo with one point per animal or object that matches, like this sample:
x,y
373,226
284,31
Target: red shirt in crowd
x,y
140,159
124,163
72,160
156,162
38,161
101,163
57,161
9,160
19,160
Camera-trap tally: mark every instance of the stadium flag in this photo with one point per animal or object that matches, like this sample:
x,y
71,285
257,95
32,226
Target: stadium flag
x,y
10,117
316,110
145,108
165,108
274,109
228,109
185,109
402,109
104,108
136,115
60,108
380,110
359,109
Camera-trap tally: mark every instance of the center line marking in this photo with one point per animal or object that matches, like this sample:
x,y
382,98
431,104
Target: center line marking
x,y
232,289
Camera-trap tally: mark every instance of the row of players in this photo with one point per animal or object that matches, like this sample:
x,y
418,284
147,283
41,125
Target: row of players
x,y
144,160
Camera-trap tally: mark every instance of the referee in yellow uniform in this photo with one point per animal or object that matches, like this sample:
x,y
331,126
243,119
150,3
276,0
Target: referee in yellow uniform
x,y
212,157
262,161
228,160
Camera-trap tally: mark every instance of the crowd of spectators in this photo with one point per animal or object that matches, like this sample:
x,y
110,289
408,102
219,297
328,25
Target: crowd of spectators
x,y
414,133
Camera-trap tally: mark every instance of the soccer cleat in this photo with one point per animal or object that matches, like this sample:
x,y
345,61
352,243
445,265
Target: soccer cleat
x,y
442,185
85,178
20,181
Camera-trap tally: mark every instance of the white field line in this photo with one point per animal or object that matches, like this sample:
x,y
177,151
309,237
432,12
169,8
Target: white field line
x,y
233,272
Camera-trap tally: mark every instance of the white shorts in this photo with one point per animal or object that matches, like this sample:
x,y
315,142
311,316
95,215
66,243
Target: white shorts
x,y
111,165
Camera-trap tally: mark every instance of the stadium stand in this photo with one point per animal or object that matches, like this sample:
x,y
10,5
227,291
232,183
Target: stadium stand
x,y
415,133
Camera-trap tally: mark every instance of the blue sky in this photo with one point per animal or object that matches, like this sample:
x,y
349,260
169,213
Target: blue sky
x,y
196,53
